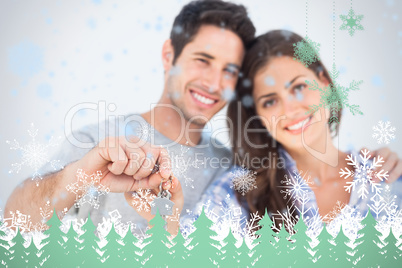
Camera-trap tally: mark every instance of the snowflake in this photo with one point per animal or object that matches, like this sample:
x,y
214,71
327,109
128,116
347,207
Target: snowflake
x,y
339,207
296,187
383,132
306,51
364,173
351,22
141,199
334,96
17,219
181,162
34,155
144,131
87,189
243,180
46,212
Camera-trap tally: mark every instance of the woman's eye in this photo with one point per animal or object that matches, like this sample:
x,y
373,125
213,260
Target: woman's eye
x,y
269,103
299,87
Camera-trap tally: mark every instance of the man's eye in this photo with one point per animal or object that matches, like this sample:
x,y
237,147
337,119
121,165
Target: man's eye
x,y
202,60
269,103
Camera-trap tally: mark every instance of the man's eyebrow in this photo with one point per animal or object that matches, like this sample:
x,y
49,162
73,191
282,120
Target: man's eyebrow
x,y
265,96
204,55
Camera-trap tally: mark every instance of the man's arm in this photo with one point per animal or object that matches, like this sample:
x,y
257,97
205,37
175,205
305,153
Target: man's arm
x,y
125,166
28,198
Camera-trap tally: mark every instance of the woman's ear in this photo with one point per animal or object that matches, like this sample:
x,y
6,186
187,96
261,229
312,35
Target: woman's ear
x,y
322,78
167,55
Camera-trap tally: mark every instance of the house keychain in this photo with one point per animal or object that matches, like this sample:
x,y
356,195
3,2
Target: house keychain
x,y
162,202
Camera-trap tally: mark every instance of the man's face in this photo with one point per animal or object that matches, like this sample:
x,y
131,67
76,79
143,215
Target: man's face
x,y
205,74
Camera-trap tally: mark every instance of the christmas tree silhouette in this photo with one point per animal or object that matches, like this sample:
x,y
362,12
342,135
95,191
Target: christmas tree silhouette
x,y
179,251
341,249
71,248
112,254
204,251
156,250
53,244
3,247
32,255
230,253
367,248
17,251
87,253
244,257
130,252
324,250
282,248
392,253
264,251
301,245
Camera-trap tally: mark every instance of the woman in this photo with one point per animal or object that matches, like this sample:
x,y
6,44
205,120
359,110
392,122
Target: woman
x,y
274,101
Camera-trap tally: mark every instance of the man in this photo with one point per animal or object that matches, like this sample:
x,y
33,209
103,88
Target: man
x,y
201,61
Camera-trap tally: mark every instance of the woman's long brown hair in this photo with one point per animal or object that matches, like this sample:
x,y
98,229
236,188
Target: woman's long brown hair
x,y
242,114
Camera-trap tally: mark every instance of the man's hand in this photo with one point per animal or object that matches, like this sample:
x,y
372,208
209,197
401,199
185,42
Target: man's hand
x,y
392,163
174,187
126,165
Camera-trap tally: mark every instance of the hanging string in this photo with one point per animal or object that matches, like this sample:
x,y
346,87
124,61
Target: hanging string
x,y
306,17
333,31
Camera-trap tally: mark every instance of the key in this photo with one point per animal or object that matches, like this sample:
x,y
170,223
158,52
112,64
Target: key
x,y
162,202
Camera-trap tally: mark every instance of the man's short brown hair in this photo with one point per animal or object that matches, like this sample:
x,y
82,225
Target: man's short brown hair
x,y
210,12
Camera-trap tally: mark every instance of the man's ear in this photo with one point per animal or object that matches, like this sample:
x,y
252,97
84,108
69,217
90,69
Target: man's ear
x,y
167,55
322,78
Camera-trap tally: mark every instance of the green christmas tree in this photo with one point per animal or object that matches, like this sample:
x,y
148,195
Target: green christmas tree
x,y
32,255
301,245
17,252
71,248
130,252
156,250
179,251
244,257
113,252
87,254
284,259
392,254
324,250
341,250
230,252
264,252
3,247
368,244
53,244
202,242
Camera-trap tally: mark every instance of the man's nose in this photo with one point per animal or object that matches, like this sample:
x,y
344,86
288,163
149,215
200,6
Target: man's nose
x,y
213,80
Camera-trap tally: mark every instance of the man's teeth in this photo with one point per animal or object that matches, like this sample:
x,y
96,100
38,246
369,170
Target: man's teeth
x,y
299,125
202,99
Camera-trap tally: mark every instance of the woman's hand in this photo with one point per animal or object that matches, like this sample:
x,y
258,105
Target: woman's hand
x,y
141,199
392,163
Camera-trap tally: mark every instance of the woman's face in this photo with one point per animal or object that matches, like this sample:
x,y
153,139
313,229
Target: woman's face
x,y
282,101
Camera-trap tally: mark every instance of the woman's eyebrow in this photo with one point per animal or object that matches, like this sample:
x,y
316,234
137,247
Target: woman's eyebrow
x,y
265,96
288,84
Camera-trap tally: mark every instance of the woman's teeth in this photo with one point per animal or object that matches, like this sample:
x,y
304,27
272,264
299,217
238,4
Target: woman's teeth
x,y
202,99
299,125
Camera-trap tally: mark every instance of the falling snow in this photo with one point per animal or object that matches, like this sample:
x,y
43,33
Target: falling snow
x,y
243,180
34,155
364,174
383,132
87,189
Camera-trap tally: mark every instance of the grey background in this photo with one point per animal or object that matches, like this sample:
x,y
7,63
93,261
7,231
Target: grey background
x,y
56,54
